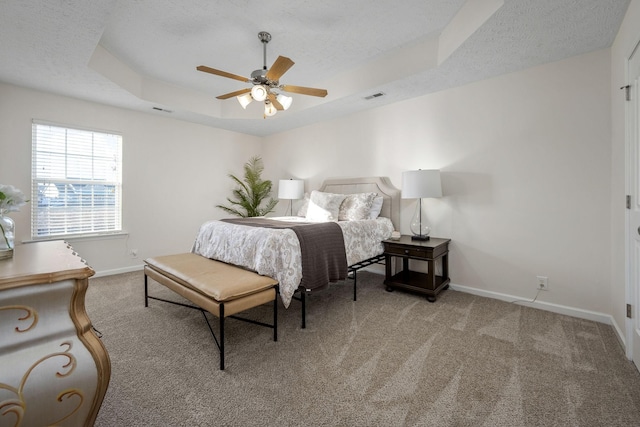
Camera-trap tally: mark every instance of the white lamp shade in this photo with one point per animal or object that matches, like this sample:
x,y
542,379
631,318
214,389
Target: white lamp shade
x,y
259,93
291,189
245,100
285,101
421,184
270,109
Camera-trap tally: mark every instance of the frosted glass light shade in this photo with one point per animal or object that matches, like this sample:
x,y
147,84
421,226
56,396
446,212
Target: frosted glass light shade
x,y
421,184
291,189
285,101
245,100
270,109
259,93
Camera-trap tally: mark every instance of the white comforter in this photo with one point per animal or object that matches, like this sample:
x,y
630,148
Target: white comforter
x,y
276,252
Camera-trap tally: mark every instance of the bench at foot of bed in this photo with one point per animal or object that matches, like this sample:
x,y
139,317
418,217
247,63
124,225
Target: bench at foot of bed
x,y
221,289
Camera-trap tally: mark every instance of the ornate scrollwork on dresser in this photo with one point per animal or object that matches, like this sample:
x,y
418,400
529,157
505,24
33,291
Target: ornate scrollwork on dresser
x,y
53,369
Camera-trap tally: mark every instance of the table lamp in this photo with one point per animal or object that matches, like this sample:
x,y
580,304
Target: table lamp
x,y
420,184
291,189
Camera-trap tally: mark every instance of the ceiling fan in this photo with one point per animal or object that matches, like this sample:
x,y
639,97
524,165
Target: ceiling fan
x,y
266,84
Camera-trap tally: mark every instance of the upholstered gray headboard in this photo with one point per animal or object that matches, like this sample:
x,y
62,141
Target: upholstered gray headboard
x,y
374,184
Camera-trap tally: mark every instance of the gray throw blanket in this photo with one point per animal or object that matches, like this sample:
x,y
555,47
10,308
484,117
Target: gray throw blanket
x,y
322,250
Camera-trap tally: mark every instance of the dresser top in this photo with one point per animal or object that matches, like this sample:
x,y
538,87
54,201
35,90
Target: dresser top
x,y
42,262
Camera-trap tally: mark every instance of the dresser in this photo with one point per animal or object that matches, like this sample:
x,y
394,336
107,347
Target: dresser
x,y
54,370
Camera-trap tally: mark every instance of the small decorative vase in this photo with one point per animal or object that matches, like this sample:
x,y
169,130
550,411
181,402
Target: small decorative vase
x,y
7,233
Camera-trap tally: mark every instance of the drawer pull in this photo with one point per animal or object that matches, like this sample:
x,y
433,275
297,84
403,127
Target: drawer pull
x,y
406,251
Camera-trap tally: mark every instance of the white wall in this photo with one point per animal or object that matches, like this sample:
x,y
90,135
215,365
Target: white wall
x,y
626,40
526,170
174,172
526,160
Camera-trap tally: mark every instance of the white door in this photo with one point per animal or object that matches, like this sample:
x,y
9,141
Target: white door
x,y
633,232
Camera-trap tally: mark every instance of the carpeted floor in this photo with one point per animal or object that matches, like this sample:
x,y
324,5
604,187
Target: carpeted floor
x,y
389,359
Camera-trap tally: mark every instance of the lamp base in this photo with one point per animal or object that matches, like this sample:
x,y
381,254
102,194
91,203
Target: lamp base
x,y
420,237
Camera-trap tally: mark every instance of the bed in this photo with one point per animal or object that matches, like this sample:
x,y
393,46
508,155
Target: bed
x,y
275,250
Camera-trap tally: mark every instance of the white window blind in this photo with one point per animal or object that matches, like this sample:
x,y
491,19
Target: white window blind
x,y
76,183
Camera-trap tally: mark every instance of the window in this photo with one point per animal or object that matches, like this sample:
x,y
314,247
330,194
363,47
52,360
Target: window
x,y
76,182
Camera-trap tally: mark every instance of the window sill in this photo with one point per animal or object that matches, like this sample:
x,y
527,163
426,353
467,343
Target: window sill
x,y
83,237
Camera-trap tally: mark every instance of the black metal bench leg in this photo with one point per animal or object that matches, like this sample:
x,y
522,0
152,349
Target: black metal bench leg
x,y
222,337
303,300
146,292
355,280
275,316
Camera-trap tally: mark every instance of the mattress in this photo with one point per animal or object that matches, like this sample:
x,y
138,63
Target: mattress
x,y
276,252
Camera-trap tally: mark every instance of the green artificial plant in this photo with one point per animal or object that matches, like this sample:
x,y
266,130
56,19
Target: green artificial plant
x,y
250,192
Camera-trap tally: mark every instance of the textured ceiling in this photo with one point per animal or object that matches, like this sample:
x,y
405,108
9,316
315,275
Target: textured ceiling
x,y
143,54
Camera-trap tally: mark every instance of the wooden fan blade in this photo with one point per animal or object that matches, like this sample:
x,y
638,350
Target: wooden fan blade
x,y
222,73
279,67
232,94
275,102
305,90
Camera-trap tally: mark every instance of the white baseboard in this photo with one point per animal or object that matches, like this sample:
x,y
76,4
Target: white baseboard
x,y
607,319
621,338
119,270
547,306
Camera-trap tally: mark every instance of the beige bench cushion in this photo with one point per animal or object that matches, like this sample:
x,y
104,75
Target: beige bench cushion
x,y
220,281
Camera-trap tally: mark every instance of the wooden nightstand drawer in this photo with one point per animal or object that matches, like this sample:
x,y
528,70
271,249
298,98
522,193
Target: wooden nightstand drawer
x,y
404,251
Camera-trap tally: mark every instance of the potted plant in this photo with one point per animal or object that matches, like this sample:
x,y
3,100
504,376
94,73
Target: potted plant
x,y
250,192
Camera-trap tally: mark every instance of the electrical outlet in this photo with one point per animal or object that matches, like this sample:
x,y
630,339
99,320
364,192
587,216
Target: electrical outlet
x,y
543,283
133,253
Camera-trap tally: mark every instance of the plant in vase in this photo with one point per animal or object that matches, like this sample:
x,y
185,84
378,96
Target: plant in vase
x,y
11,199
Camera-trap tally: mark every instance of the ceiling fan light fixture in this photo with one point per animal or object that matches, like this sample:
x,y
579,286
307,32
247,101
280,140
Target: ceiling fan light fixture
x,y
266,83
285,101
245,100
269,109
259,92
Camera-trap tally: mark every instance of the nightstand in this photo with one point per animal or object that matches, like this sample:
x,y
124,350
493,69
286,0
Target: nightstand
x,y
429,251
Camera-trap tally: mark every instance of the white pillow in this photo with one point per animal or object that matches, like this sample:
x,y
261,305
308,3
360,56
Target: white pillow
x,y
305,205
356,206
376,207
324,206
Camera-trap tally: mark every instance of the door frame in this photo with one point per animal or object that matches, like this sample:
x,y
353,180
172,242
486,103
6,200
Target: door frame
x,y
631,289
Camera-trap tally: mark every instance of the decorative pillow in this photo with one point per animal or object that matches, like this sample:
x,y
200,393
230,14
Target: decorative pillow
x,y
324,206
376,207
356,206
305,205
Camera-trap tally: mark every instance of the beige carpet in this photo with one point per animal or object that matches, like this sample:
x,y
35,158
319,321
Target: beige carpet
x,y
389,359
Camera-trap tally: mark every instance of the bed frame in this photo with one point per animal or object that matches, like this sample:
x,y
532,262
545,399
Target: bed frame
x,y
390,209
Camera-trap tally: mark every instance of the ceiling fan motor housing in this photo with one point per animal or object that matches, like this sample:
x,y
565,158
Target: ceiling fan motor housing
x,y
258,77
